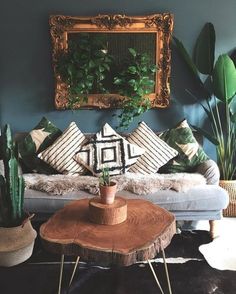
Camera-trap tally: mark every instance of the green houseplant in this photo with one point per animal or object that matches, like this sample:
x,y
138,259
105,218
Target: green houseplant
x,y
219,86
83,67
16,233
107,187
135,82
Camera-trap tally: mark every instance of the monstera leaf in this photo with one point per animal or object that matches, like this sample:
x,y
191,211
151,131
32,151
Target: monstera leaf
x,y
204,53
224,78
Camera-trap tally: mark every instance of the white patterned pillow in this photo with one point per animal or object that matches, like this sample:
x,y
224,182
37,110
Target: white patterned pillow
x,y
108,149
157,152
60,154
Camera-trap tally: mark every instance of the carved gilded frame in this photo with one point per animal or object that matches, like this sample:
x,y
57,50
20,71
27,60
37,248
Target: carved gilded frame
x,y
160,24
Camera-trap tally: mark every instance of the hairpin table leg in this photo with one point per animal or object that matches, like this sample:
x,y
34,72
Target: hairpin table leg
x,y
74,270
61,273
154,274
166,269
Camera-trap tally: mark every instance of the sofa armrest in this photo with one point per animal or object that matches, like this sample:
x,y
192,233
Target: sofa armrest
x,y
209,169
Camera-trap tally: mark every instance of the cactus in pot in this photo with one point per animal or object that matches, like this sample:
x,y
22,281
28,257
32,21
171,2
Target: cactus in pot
x,y
11,184
16,233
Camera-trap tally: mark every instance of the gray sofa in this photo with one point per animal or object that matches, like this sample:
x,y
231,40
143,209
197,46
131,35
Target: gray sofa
x,y
201,202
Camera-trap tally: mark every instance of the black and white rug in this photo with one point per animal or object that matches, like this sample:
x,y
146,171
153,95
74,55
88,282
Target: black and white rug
x,y
189,273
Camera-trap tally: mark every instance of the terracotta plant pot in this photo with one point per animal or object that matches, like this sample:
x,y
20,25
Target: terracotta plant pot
x,y
16,244
107,193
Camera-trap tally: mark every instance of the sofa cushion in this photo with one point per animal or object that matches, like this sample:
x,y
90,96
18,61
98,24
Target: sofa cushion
x,y
157,152
41,136
60,154
190,152
200,202
199,198
108,149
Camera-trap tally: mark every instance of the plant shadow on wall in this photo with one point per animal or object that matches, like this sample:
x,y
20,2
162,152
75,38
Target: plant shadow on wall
x,y
217,80
87,67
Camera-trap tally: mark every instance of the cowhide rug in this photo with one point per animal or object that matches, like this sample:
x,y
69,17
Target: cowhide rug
x,y
39,276
223,246
136,183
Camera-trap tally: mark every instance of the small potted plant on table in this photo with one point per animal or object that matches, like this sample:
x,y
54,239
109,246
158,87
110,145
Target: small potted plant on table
x,y
16,233
107,187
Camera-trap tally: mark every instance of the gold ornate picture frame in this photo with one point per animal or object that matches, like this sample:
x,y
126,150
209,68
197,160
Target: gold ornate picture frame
x,y
159,24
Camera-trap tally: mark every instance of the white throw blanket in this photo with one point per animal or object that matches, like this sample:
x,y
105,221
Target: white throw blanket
x,y
136,183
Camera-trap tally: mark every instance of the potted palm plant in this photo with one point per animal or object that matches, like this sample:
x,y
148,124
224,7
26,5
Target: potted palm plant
x,y
16,233
107,187
219,85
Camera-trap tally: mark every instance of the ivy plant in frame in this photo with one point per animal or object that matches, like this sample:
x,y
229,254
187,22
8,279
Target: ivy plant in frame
x,y
93,85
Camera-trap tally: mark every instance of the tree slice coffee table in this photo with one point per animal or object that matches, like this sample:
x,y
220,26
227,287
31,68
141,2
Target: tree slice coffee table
x,y
147,230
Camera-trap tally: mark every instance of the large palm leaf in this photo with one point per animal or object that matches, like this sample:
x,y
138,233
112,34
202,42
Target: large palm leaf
x,y
224,78
204,51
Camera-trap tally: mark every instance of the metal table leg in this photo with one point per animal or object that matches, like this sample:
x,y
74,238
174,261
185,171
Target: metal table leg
x,y
74,270
155,276
61,273
166,270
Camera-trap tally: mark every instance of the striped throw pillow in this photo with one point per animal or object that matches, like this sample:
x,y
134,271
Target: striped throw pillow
x,y
157,152
60,154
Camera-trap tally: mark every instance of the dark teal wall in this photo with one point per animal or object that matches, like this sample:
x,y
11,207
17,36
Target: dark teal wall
x,y
26,77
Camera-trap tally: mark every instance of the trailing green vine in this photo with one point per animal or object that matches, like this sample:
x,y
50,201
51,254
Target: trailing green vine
x,y
135,82
84,66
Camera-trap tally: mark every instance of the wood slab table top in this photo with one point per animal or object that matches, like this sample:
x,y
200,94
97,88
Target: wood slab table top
x,y
147,229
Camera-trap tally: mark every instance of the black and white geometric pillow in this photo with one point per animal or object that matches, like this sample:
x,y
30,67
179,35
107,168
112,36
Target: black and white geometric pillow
x,y
60,154
108,149
157,152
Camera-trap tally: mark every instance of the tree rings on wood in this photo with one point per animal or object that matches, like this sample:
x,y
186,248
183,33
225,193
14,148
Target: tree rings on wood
x,y
107,214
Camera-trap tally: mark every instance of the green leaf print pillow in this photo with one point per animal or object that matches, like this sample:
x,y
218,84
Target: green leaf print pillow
x,y
191,154
41,137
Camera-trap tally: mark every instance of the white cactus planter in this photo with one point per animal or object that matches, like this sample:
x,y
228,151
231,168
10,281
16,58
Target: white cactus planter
x,y
16,244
